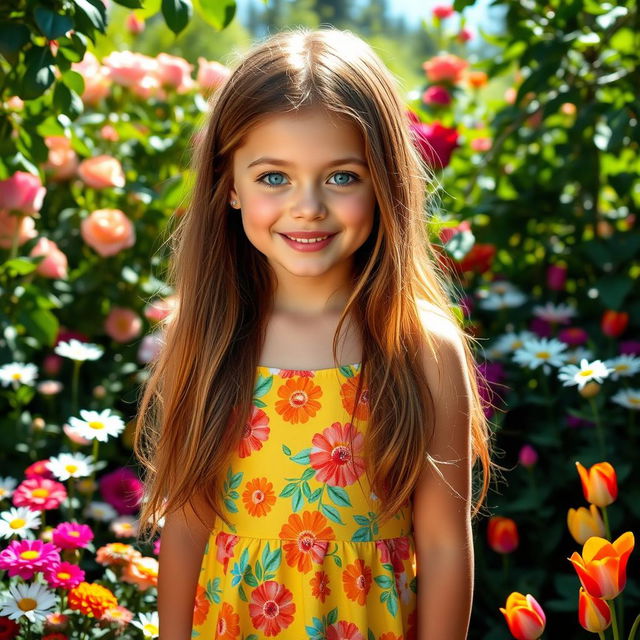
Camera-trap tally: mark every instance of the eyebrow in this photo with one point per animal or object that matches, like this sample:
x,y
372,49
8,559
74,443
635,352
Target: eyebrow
x,y
284,163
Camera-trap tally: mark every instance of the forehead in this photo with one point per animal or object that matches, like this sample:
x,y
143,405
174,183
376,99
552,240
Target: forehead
x,y
292,135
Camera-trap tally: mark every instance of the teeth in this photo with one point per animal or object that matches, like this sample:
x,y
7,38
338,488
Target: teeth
x,y
308,240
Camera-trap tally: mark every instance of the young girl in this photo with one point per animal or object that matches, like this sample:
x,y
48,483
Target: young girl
x,y
310,426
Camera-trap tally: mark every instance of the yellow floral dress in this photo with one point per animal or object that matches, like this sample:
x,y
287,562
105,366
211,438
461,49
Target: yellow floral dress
x,y
305,558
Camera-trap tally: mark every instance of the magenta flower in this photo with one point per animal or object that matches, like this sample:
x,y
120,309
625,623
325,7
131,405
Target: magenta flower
x,y
24,557
72,535
156,547
65,575
122,490
39,494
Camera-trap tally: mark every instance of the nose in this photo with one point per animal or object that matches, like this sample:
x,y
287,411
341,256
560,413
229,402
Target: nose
x,y
308,203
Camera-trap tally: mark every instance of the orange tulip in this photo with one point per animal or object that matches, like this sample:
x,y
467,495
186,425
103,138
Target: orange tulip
x,y
613,323
502,534
593,613
599,483
584,523
602,568
525,617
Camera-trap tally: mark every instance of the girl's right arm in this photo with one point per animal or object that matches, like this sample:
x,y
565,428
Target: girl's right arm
x,y
182,545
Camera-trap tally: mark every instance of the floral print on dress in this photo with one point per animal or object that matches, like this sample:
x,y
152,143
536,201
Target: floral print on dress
x,y
305,557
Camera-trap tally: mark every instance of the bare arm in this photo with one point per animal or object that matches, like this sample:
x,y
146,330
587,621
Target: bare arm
x,y
181,549
441,500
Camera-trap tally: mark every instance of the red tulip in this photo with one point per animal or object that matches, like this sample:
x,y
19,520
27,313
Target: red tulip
x,y
599,483
614,323
524,616
593,613
502,534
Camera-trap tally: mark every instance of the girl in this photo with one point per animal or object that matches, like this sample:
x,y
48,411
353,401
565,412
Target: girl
x,y
310,426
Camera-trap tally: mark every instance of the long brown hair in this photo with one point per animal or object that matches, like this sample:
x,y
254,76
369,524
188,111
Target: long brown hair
x,y
198,391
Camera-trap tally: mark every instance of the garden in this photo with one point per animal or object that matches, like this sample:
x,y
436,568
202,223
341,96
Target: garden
x,y
532,132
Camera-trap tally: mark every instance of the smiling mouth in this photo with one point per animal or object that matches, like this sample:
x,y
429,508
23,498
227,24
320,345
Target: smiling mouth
x,y
306,240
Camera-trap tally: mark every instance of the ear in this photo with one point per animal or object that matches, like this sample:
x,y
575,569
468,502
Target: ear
x,y
233,195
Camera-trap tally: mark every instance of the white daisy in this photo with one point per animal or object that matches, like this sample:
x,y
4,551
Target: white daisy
x,y
628,398
149,623
19,521
7,485
624,365
76,350
542,351
495,301
102,511
557,313
17,373
70,465
97,426
125,526
49,387
570,374
507,343
574,356
33,601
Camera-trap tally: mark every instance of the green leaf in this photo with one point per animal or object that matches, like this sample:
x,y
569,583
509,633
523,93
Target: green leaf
x,y
67,101
39,75
613,290
218,13
74,81
331,513
13,37
72,48
51,24
40,324
177,14
339,496
130,4
90,15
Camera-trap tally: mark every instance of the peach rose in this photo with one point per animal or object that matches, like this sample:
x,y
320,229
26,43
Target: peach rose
x,y
22,192
63,160
26,228
445,68
123,325
134,24
174,72
143,572
54,264
108,132
101,172
129,69
211,74
481,144
108,231
97,83
477,79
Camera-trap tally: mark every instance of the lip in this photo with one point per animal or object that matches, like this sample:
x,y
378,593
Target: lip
x,y
306,247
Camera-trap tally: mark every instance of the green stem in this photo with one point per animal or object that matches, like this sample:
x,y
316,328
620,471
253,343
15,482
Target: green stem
x,y
607,528
599,430
505,567
634,628
614,620
74,386
601,634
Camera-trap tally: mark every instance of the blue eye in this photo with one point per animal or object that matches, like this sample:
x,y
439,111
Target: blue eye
x,y
354,177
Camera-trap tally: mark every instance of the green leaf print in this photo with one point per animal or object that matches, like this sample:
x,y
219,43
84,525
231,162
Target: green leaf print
x,y
258,571
194,634
213,590
370,635
302,458
263,385
242,594
253,636
231,482
271,560
298,500
339,496
347,372
368,529
332,616
287,451
413,585
331,513
318,629
389,594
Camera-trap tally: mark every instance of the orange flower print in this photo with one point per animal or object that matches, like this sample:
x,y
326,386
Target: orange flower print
x,y
348,394
225,543
307,539
290,373
271,607
201,606
390,636
320,586
356,579
332,457
258,497
299,400
344,630
228,625
256,431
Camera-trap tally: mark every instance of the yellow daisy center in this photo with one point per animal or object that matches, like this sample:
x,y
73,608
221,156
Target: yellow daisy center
x,y
27,604
543,355
31,554
96,425
71,468
40,493
63,575
586,372
17,523
150,628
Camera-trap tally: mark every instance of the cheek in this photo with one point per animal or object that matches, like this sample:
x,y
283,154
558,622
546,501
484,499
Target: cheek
x,y
358,211
258,212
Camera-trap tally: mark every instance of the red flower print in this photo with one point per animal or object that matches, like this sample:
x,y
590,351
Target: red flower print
x,y
228,627
356,579
394,550
201,606
344,630
299,400
225,543
271,607
332,457
320,585
290,373
256,431
307,537
258,497
348,393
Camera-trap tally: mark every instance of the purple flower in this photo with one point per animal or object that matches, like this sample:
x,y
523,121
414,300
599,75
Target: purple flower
x,y
630,347
71,535
24,557
122,490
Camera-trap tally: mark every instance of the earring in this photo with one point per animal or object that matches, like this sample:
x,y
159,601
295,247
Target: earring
x,y
233,203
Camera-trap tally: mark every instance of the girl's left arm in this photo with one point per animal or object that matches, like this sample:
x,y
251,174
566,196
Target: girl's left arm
x,y
442,497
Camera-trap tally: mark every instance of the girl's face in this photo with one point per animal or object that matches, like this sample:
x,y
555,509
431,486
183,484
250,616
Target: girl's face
x,y
305,174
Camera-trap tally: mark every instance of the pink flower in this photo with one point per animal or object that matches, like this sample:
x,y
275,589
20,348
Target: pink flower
x,y
25,557
38,469
65,575
72,535
22,192
156,547
134,24
574,336
556,277
481,144
101,172
442,11
436,95
55,262
122,490
129,69
445,68
123,325
435,143
150,346
62,162
39,494
211,74
464,35
630,347
335,462
160,308
24,226
174,72
528,456
97,83
108,231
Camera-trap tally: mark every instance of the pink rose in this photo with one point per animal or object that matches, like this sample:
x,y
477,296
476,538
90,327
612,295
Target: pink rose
x,y
128,69
63,160
109,133
436,95
97,83
435,143
123,325
150,347
134,24
24,226
108,231
442,11
211,74
101,172
174,72
22,192
481,144
445,68
54,264
122,490
160,308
